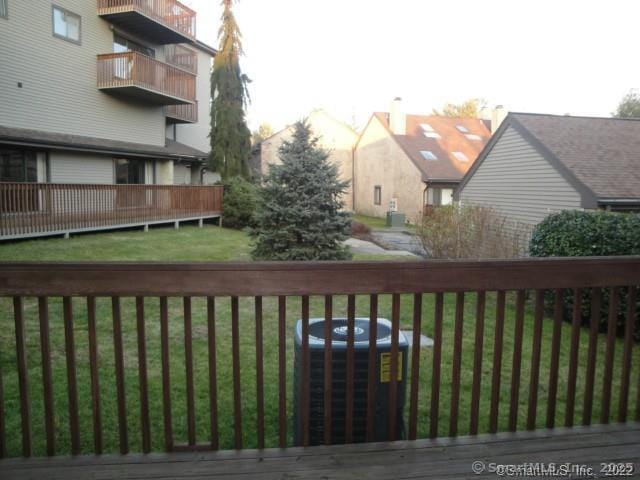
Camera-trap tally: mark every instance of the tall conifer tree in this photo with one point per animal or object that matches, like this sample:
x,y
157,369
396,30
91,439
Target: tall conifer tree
x,y
230,137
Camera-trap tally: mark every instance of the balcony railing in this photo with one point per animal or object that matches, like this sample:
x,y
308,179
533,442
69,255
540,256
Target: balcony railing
x,y
134,74
165,21
38,209
187,113
181,57
204,352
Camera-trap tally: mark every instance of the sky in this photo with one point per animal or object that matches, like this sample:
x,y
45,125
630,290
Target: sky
x,y
352,57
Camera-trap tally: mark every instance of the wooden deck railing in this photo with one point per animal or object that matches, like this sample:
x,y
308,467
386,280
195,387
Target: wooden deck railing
x,y
185,113
29,209
168,12
133,69
203,351
182,57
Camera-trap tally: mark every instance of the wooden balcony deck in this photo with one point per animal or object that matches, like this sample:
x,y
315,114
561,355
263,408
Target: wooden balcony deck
x,y
583,447
41,209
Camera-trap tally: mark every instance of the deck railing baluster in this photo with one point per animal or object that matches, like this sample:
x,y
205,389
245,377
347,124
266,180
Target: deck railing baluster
x,y
349,399
95,382
328,369
235,360
118,351
23,381
437,359
477,363
394,363
142,374
259,374
555,357
517,361
456,365
213,373
47,381
415,366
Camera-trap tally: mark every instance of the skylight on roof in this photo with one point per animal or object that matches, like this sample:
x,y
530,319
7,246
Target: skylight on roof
x,y
473,136
461,157
426,127
431,134
462,128
428,155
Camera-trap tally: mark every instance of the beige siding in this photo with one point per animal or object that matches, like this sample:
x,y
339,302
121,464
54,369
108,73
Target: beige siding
x,y
59,78
519,182
333,135
196,135
181,175
379,160
71,167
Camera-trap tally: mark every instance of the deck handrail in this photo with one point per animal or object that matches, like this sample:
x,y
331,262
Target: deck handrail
x,y
444,298
135,69
187,112
172,13
37,208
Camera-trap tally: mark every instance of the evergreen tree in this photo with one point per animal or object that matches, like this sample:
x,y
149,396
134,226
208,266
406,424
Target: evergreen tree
x,y
299,214
230,137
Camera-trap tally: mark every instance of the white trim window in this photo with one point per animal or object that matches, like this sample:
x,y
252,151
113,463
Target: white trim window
x,y
66,25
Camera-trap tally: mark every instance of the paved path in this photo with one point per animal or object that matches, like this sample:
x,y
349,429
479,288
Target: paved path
x,y
398,240
370,248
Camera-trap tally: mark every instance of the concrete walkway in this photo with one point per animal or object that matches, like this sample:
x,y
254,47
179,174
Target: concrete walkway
x,y
370,248
399,239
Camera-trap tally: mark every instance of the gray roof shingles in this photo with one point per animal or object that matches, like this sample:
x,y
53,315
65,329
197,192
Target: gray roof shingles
x,y
602,153
171,150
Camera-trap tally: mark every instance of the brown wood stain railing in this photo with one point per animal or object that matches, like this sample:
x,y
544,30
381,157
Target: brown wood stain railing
x,y
39,208
314,286
186,113
126,69
171,13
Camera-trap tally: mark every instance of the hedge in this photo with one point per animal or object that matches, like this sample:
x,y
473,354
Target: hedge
x,y
587,234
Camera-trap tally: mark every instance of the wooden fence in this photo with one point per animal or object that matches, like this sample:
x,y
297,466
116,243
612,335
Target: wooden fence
x,y
169,12
28,209
195,307
118,70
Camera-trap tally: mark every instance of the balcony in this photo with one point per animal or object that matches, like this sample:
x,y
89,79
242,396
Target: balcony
x,y
187,113
161,21
181,57
136,75
42,209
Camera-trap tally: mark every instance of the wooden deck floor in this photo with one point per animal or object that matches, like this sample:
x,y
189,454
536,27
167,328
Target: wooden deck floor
x,y
442,458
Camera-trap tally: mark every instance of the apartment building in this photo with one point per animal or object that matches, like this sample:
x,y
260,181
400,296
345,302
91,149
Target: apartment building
x,y
101,92
106,91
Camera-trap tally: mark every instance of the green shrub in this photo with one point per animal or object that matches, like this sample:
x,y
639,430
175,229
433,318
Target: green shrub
x,y
240,200
586,234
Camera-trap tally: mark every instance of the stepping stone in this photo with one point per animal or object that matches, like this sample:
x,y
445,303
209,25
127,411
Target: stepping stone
x,y
425,342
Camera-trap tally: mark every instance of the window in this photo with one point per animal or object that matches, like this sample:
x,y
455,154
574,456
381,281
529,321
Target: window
x,y
426,127
66,25
473,136
439,196
428,155
462,128
431,135
18,166
4,10
122,44
377,195
129,171
461,157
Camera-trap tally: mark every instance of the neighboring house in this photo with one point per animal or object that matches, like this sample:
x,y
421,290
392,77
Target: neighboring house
x,y
415,160
113,94
101,104
539,164
335,136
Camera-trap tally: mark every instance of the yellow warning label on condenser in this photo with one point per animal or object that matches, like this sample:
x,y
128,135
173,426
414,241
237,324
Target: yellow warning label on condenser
x,y
385,367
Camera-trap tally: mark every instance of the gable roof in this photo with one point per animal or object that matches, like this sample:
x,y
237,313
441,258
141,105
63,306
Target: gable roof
x,y
599,157
59,141
317,111
446,168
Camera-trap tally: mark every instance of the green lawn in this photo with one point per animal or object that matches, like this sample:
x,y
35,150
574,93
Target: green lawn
x,y
221,244
374,223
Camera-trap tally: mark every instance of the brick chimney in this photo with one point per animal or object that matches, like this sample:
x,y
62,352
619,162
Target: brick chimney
x,y
397,117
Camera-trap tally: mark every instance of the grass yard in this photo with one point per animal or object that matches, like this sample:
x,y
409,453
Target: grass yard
x,y
211,244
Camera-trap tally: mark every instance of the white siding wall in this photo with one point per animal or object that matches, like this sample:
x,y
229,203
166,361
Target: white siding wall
x,y
196,135
519,182
71,167
59,78
181,175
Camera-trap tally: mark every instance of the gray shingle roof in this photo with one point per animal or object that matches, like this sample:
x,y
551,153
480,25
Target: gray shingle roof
x,y
171,150
602,153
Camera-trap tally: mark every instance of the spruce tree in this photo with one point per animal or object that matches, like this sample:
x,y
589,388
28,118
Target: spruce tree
x,y
230,137
299,213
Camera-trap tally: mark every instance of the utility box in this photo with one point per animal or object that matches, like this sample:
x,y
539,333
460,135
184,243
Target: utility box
x,y
395,219
339,379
